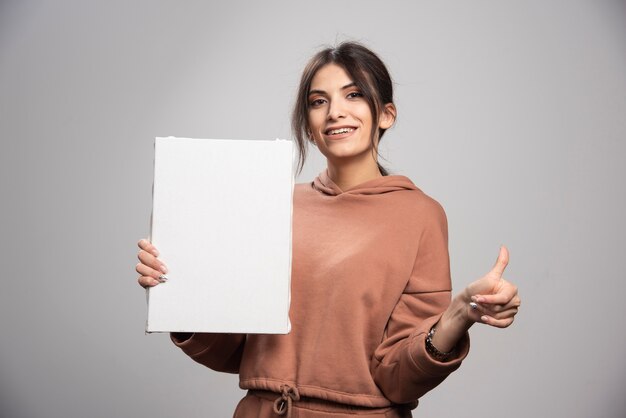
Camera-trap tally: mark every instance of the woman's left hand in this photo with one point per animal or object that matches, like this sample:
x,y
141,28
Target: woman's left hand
x,y
495,299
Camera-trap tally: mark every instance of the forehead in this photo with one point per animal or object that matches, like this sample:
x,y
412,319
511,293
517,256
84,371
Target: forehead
x,y
330,76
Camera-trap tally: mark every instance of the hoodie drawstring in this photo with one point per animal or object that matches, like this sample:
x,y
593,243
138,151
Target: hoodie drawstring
x,y
282,405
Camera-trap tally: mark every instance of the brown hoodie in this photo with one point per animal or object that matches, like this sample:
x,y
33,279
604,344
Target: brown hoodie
x,y
370,276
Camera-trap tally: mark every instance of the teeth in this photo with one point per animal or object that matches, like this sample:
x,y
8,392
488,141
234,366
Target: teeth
x,y
341,131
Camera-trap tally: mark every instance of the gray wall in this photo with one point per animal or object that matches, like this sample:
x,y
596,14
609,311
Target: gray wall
x,y
511,114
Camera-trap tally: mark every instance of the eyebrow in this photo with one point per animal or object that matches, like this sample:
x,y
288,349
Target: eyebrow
x,y
347,86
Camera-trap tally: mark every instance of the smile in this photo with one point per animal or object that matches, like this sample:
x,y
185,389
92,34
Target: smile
x,y
339,131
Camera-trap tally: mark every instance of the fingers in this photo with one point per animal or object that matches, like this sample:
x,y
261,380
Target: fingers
x,y
505,295
496,314
497,319
498,323
148,256
151,261
151,269
499,311
147,246
145,270
148,276
501,262
500,316
146,281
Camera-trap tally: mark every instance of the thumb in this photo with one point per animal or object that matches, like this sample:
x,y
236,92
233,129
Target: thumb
x,y
501,262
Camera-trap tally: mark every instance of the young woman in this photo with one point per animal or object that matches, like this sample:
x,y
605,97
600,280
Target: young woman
x,y
373,323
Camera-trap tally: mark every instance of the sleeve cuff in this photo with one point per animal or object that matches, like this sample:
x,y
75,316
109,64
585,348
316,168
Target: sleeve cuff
x,y
194,344
425,362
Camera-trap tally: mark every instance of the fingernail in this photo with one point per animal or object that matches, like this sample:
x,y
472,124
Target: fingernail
x,y
162,278
484,318
480,299
155,253
474,299
163,268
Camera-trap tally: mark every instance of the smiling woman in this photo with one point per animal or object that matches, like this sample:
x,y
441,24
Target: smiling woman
x,y
365,77
340,123
374,326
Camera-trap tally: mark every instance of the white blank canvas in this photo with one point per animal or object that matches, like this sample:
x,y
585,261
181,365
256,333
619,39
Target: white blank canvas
x,y
222,222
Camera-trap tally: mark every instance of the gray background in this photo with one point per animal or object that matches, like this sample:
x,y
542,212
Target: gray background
x,y
511,114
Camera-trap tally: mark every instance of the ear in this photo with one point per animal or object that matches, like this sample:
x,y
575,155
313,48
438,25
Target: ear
x,y
387,116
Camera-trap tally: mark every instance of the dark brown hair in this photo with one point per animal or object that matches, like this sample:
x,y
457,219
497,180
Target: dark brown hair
x,y
368,73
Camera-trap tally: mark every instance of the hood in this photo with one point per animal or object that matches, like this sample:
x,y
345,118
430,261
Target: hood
x,y
379,185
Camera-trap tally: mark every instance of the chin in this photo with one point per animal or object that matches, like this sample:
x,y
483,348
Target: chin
x,y
341,152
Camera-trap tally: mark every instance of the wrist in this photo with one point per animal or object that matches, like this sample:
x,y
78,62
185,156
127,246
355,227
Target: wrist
x,y
463,298
458,313
452,325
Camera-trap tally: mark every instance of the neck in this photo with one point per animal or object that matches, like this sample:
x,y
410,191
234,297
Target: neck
x,y
349,174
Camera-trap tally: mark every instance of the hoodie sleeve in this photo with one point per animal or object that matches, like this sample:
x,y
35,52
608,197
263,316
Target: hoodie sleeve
x,y
220,352
401,366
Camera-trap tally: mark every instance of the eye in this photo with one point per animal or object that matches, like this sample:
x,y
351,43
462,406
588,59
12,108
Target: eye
x,y
316,102
355,95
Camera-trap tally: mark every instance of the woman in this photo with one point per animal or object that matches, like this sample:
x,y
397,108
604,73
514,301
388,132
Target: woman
x,y
373,323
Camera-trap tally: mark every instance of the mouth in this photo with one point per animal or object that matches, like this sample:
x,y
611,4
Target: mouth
x,y
339,131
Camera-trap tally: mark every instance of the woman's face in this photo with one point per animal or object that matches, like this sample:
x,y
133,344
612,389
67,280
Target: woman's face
x,y
340,119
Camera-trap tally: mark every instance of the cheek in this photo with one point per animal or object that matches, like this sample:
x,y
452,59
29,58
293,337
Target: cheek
x,y
314,121
363,113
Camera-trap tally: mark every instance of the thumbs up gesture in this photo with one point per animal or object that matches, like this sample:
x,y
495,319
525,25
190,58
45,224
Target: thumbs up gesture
x,y
495,301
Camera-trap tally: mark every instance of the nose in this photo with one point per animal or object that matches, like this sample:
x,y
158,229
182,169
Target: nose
x,y
336,110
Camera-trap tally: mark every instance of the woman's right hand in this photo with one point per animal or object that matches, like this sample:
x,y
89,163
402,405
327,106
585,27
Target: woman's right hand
x,y
150,268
